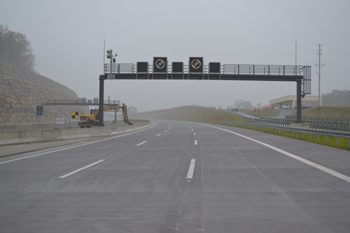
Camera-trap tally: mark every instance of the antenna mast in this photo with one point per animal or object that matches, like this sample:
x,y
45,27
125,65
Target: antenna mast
x,y
319,53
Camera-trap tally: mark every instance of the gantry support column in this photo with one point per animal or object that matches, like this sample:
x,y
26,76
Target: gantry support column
x,y
100,113
298,102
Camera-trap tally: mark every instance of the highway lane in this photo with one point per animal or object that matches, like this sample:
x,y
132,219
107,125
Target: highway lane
x,y
143,182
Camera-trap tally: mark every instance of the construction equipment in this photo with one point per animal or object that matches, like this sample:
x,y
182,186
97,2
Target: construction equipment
x,y
88,120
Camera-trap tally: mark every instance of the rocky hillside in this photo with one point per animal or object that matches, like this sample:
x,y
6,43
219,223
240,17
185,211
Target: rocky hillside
x,y
21,91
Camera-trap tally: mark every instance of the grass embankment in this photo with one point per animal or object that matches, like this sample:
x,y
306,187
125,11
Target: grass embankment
x,y
322,140
324,113
263,113
190,113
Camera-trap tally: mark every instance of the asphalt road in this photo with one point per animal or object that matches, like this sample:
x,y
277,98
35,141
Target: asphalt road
x,y
284,112
178,177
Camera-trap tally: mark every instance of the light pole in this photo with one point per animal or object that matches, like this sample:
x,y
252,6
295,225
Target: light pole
x,y
319,53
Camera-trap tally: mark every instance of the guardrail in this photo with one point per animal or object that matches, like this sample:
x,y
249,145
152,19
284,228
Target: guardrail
x,y
316,118
286,130
318,125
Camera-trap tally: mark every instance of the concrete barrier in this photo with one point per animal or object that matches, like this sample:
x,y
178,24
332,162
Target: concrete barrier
x,y
104,131
83,133
27,136
69,134
95,131
51,134
9,137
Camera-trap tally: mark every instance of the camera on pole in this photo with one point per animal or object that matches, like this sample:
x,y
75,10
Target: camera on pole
x,y
112,59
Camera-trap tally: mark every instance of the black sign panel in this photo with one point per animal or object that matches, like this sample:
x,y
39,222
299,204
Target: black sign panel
x,y
214,67
160,64
142,67
178,67
196,65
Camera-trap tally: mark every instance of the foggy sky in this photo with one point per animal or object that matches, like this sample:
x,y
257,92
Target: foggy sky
x,y
67,38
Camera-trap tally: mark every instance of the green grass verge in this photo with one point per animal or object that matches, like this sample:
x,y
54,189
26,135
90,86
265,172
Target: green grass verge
x,y
322,140
264,113
336,114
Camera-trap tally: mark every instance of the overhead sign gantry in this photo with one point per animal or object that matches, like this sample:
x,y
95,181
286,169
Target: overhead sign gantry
x,y
197,70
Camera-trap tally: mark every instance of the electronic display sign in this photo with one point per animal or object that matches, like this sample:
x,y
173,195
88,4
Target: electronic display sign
x,y
214,67
160,65
196,65
142,67
178,67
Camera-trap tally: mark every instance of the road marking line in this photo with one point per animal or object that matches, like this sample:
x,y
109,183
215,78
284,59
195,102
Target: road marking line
x,y
83,144
158,135
315,165
80,169
191,169
165,131
141,143
195,142
192,130
194,134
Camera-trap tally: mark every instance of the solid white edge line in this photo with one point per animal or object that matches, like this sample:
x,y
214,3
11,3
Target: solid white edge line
x,y
315,165
67,148
191,169
141,143
80,169
195,142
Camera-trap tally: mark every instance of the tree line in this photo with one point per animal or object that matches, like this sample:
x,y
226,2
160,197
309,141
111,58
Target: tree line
x,y
337,98
15,48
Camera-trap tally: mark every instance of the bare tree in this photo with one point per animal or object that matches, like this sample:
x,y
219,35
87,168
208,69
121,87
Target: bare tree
x,y
15,48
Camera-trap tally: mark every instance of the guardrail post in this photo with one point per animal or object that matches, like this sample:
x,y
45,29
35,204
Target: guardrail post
x,y
327,138
348,142
310,136
338,141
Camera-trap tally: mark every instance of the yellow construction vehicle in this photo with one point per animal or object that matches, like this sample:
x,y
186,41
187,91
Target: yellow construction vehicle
x,y
88,120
